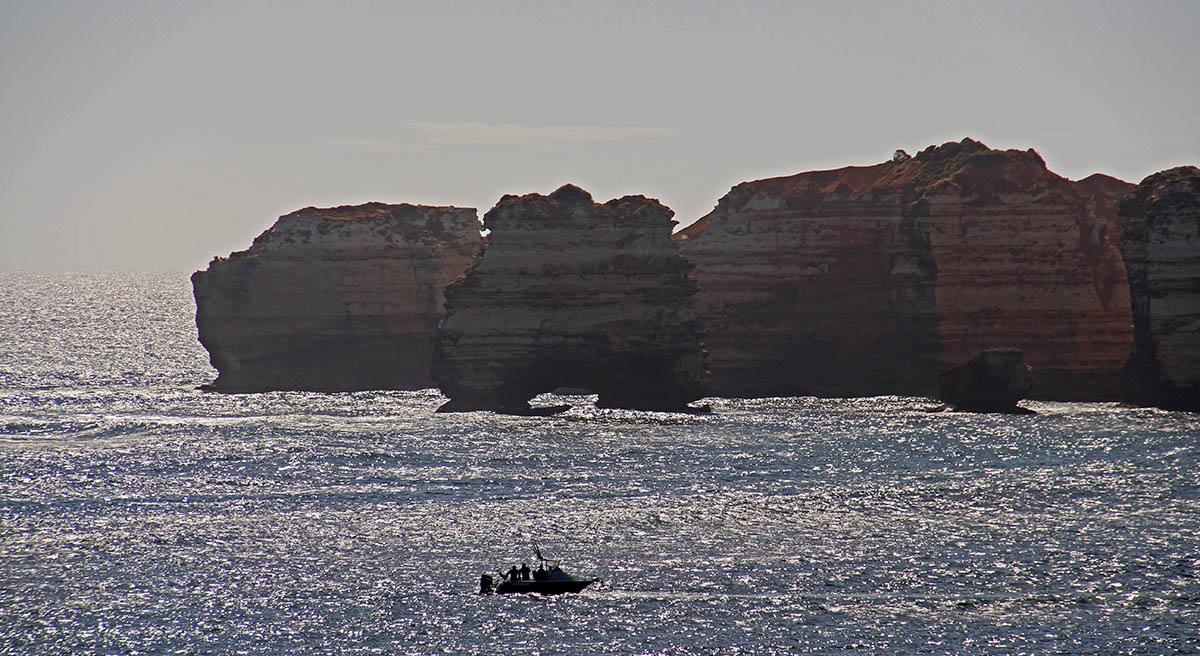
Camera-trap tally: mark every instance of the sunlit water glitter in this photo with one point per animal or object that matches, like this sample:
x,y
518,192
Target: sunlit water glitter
x,y
140,515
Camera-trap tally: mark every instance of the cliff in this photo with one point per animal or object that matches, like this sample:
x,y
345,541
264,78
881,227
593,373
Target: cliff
x,y
572,293
875,279
1161,244
338,299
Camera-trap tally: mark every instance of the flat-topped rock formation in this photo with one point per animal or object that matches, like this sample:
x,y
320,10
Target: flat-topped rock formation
x,y
873,280
572,293
1162,252
338,299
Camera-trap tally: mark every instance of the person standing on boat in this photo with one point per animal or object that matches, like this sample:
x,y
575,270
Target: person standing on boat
x,y
513,574
524,571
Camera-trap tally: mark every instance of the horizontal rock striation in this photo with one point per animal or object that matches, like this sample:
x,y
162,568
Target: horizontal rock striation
x,y
1161,244
572,293
874,280
338,299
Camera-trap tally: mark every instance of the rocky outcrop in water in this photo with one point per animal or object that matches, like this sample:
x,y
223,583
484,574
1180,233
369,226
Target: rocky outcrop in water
x,y
338,299
572,293
1162,252
993,381
875,279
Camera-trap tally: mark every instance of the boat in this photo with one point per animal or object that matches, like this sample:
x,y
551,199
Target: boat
x,y
547,579
537,411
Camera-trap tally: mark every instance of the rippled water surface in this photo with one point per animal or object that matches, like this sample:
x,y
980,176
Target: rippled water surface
x,y
142,516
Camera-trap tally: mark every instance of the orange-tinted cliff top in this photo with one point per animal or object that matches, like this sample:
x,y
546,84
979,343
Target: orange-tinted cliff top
x,y
1099,184
967,168
967,164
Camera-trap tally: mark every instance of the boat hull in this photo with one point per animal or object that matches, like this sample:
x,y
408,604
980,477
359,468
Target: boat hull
x,y
543,587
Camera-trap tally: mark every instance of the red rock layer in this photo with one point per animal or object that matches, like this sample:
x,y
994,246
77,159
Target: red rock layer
x,y
571,293
1162,252
338,299
1100,233
872,280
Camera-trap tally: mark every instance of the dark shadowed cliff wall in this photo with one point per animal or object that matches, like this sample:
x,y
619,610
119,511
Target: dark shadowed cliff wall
x,y
1162,251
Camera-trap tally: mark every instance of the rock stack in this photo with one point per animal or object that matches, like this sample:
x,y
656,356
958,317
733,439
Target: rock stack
x,y
993,381
338,299
873,280
572,293
1162,252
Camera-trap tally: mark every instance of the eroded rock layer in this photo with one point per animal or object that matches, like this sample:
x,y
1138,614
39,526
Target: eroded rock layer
x,y
873,280
1162,252
338,299
571,293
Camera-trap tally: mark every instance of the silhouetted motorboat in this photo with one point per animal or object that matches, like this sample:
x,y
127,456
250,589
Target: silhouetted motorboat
x,y
547,579
538,411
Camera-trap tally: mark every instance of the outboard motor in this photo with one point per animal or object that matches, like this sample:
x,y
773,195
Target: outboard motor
x,y
485,584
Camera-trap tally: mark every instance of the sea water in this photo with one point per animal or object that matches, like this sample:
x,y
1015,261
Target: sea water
x,y
139,515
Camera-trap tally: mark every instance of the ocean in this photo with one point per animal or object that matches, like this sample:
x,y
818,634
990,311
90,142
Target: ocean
x,y
139,515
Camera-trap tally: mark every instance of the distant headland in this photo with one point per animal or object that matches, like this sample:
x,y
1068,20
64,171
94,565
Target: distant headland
x,y
850,282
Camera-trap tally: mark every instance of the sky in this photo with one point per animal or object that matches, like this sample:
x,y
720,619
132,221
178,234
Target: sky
x,y
156,135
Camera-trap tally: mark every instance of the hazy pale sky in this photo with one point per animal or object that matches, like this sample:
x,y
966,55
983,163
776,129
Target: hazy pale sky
x,y
151,135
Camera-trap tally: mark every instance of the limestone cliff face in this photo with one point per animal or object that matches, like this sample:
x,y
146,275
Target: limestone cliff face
x,y
571,293
338,299
873,280
1161,244
1100,232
